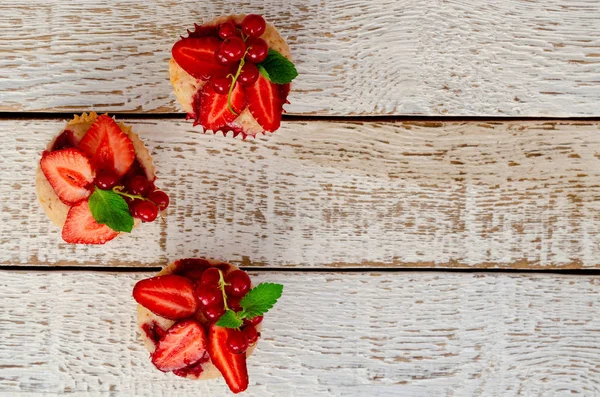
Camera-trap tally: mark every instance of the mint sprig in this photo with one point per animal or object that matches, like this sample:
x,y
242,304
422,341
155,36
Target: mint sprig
x,y
260,299
110,209
257,302
277,68
230,320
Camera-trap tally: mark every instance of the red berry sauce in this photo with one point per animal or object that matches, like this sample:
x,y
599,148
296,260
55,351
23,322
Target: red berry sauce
x,y
201,31
183,267
153,331
194,369
65,140
138,169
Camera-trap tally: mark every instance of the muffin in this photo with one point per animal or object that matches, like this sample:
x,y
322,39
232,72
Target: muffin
x,y
200,319
233,74
96,180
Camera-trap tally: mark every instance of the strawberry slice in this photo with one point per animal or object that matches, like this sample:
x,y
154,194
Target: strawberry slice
x,y
265,103
168,296
183,345
108,147
213,110
70,174
82,228
232,366
196,55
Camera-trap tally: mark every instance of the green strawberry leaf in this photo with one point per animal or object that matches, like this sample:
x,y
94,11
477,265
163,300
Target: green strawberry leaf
x,y
229,320
110,209
260,299
277,68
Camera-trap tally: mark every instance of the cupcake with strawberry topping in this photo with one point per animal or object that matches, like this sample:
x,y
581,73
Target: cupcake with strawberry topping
x,y
233,74
96,180
201,319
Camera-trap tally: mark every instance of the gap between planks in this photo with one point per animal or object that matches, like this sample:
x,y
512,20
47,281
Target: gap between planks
x,y
332,270
306,118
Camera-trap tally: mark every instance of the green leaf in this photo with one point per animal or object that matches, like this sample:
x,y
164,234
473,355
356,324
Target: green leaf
x,y
277,68
110,209
263,71
260,299
229,320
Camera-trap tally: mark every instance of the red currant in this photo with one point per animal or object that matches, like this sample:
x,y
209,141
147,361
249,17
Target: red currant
x,y
234,303
226,30
237,342
209,296
213,313
138,185
251,334
211,276
233,48
254,25
249,74
239,283
146,211
221,58
254,321
133,204
221,85
257,50
160,198
106,179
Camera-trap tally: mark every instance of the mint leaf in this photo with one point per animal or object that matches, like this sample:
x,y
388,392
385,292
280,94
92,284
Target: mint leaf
x,y
277,68
110,209
260,299
263,71
229,320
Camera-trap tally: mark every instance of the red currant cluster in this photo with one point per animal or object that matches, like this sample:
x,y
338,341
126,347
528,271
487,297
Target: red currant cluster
x,y
243,46
212,303
143,199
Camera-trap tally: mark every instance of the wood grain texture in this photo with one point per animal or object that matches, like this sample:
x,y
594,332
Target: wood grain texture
x,y
511,195
385,57
331,334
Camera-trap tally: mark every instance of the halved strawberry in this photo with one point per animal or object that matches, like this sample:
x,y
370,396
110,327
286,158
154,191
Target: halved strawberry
x,y
183,345
265,103
108,147
232,366
196,55
214,112
82,228
285,90
168,296
69,172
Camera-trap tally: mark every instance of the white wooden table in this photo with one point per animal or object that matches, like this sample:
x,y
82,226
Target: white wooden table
x,y
422,256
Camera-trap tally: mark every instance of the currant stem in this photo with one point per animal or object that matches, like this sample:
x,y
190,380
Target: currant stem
x,y
120,192
233,80
222,288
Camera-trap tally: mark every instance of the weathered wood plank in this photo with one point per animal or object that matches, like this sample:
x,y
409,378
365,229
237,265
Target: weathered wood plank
x,y
332,334
355,57
339,194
